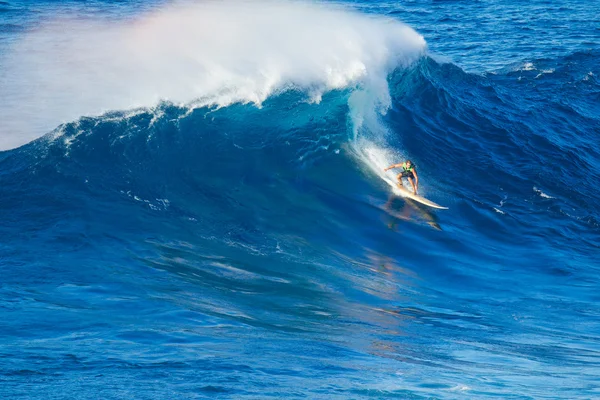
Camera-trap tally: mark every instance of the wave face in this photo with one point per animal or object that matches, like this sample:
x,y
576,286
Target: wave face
x,y
241,240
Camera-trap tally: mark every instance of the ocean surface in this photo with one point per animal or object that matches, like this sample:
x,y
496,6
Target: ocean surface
x,y
193,203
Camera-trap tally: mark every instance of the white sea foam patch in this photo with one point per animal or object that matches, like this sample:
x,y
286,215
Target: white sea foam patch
x,y
210,53
528,66
542,194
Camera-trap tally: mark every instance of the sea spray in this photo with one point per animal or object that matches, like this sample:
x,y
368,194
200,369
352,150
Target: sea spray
x,y
194,54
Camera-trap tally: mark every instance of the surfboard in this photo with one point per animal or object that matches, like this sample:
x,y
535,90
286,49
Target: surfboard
x,y
417,198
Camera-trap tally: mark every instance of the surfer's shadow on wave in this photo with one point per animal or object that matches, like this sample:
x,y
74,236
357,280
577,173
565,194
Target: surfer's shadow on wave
x,y
405,209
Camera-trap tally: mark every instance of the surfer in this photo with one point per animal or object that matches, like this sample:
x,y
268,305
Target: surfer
x,y
408,171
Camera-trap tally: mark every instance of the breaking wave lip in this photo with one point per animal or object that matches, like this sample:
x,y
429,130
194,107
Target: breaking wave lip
x,y
196,54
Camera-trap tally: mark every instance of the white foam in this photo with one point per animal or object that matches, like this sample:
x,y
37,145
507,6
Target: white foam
x,y
542,194
502,201
460,388
209,53
528,66
545,71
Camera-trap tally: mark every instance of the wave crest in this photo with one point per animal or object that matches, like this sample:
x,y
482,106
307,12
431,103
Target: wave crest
x,y
205,54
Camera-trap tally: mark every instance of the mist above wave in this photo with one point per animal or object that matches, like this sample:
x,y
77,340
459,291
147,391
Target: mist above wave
x,y
199,54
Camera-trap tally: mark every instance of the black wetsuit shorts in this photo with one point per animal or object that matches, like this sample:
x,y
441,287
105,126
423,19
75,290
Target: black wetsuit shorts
x,y
407,174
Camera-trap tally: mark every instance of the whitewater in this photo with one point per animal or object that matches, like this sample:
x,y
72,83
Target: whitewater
x,y
205,54
193,200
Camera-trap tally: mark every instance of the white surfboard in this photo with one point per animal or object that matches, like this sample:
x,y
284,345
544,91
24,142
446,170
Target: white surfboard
x,y
422,200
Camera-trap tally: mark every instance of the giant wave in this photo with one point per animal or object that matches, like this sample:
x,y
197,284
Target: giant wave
x,y
205,54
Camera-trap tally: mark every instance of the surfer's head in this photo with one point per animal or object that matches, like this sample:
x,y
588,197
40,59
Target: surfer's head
x,y
409,163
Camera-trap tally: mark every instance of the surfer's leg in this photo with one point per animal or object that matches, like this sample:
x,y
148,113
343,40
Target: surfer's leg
x,y
399,177
413,185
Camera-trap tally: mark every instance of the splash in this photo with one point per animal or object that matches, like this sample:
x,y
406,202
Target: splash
x,y
196,54
377,158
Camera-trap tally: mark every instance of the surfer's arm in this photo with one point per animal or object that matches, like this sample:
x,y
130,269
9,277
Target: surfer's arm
x,y
393,166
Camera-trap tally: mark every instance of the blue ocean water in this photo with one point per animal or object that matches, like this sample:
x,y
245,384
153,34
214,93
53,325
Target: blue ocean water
x,y
193,203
